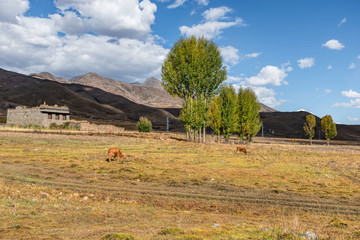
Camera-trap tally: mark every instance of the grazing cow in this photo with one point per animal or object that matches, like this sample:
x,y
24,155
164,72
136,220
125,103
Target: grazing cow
x,y
114,152
241,149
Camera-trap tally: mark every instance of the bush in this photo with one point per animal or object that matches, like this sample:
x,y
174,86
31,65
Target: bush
x,y
171,231
144,125
2,119
118,236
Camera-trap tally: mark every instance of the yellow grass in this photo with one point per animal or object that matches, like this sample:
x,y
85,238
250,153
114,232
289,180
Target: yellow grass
x,y
55,186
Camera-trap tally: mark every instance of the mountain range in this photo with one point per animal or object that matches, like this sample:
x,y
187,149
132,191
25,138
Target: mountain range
x,y
103,100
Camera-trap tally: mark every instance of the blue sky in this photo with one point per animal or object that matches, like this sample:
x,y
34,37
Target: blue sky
x,y
293,54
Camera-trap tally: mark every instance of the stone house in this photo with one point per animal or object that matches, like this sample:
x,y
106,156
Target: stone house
x,y
43,116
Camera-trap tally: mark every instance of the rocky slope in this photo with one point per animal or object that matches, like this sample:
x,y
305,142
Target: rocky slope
x,y
95,104
150,93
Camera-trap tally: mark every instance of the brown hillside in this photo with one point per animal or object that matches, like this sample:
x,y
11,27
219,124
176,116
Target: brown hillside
x,y
84,102
97,105
151,94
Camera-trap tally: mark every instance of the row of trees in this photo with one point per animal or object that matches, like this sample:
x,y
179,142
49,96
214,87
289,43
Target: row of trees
x,y
194,71
235,113
328,127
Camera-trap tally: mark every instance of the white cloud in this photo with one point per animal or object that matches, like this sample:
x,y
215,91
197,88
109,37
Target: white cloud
x,y
267,96
329,67
342,22
355,120
358,57
351,94
203,2
269,75
306,62
333,44
328,90
121,48
212,25
214,14
117,18
177,3
10,9
230,55
352,104
237,81
253,55
352,66
209,29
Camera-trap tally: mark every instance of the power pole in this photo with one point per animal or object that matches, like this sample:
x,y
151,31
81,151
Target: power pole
x,y
167,124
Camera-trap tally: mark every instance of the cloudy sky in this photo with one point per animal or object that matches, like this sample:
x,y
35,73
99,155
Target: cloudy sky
x,y
293,54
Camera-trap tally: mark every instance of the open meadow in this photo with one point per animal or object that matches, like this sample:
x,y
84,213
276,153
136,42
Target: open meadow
x,y
57,186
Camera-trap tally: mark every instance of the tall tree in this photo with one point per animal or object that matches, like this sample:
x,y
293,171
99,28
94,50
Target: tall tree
x,y
193,70
214,116
186,116
328,127
248,121
310,127
228,100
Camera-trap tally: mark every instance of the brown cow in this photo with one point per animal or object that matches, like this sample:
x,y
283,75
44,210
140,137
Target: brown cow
x,y
114,152
241,149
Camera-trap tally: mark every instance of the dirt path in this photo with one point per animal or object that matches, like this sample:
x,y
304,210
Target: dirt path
x,y
191,197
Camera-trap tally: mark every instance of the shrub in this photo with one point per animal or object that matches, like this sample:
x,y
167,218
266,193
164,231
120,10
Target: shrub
x,y
144,125
2,119
171,231
118,236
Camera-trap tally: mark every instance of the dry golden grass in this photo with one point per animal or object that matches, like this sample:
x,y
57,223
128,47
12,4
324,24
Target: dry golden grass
x,y
55,186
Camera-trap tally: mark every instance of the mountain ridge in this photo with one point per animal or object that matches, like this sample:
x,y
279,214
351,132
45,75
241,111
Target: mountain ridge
x,y
99,106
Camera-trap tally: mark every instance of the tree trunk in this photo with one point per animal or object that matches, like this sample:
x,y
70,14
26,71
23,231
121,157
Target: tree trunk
x,y
204,133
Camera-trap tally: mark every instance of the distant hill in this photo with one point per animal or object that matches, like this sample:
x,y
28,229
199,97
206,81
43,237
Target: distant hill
x,y
150,93
49,76
88,99
290,125
85,102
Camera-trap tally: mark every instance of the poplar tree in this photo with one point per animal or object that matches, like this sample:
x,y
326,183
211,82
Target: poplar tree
x,y
193,70
214,116
228,111
248,121
328,127
310,127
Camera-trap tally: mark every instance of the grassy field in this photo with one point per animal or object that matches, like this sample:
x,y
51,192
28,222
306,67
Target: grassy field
x,y
55,186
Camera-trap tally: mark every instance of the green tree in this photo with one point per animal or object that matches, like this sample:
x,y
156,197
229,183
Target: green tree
x,y
228,111
328,127
248,121
186,116
144,125
193,70
310,126
214,116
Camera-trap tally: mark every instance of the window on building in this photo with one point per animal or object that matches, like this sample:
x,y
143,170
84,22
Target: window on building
x,y
64,117
49,116
57,116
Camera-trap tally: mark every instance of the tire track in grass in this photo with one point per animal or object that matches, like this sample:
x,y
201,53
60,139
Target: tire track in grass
x,y
151,193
